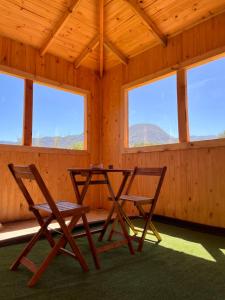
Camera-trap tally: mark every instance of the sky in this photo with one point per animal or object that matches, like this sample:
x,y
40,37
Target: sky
x,y
56,112
155,102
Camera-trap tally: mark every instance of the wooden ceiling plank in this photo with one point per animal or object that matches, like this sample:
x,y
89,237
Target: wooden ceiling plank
x,y
91,46
147,21
101,37
59,26
117,52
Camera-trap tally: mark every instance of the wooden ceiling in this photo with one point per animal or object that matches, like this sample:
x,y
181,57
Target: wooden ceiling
x,y
100,34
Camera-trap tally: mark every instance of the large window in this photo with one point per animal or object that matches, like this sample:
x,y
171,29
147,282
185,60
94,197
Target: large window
x,y
206,100
152,113
58,118
11,109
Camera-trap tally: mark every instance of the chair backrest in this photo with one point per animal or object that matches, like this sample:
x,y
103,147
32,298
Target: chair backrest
x,y
158,172
31,172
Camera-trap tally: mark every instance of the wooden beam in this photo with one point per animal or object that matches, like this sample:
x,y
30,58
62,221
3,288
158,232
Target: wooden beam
x,y
91,46
148,22
61,22
28,112
117,52
101,37
182,106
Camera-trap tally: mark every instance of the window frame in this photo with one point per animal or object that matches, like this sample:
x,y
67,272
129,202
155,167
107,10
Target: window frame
x,y
56,85
184,142
125,111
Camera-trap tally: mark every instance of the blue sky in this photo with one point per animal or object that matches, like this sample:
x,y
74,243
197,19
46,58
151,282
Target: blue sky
x,y
156,102
56,112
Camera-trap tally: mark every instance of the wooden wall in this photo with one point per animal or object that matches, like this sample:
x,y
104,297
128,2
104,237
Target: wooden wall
x,y
194,188
25,61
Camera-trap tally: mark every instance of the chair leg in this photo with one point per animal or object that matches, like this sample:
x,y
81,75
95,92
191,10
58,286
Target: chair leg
x,y
122,224
154,230
31,244
106,224
141,241
90,241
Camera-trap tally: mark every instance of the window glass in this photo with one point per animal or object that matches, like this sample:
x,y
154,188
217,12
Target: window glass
x,y
58,118
206,100
152,113
11,109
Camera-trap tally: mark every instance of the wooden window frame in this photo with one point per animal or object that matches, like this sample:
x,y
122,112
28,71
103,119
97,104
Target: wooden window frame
x,y
182,111
29,80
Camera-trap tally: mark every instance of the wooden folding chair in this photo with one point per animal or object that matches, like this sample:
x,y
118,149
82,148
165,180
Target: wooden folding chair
x,y
56,211
140,201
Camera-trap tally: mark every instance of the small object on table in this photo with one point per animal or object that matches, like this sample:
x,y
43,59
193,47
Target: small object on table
x,y
96,166
110,167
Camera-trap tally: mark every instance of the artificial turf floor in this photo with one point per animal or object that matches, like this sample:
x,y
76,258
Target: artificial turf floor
x,y
186,265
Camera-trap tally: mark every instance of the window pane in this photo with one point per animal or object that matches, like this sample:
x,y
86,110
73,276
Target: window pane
x,y
206,98
58,118
11,109
152,111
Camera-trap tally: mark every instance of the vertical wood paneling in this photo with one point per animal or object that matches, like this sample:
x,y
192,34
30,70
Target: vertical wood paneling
x,y
25,61
194,187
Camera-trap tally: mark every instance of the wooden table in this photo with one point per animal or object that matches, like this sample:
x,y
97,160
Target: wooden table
x,y
89,173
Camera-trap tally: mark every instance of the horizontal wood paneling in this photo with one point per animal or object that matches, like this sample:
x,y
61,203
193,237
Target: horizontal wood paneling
x,y
25,61
194,188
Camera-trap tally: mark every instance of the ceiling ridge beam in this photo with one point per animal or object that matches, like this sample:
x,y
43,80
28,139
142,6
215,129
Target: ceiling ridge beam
x,y
101,37
59,25
90,47
116,51
147,21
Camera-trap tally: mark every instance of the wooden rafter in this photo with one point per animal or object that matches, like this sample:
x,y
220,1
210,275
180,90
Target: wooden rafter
x,y
117,52
147,21
91,46
61,22
101,37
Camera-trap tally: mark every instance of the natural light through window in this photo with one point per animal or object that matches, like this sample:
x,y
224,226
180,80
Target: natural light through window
x,y
152,113
206,100
11,109
58,118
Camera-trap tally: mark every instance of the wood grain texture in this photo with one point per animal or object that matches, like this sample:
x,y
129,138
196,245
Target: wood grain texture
x,y
25,61
28,112
182,106
36,22
194,187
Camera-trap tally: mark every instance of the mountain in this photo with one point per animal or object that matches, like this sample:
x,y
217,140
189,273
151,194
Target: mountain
x,y
149,134
67,142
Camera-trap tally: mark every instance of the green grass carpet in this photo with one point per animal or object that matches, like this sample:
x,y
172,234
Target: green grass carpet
x,y
185,265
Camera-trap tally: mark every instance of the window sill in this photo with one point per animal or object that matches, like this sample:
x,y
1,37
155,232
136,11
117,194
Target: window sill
x,y
178,146
21,148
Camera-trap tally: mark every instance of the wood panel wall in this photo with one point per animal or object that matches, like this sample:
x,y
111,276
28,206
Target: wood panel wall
x,y
17,58
194,188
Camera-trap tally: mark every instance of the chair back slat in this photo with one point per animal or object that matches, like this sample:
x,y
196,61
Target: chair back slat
x,y
158,172
23,172
31,172
149,171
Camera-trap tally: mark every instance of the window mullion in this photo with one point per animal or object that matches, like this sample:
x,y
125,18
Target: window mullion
x,y
28,112
182,105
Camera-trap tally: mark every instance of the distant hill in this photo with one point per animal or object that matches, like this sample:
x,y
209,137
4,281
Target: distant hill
x,y
67,142
149,134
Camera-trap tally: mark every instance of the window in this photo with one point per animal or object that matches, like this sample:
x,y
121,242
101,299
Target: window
x,y
11,109
206,100
58,118
152,113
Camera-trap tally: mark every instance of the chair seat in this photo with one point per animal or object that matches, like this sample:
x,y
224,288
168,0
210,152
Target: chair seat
x,y
63,206
137,199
